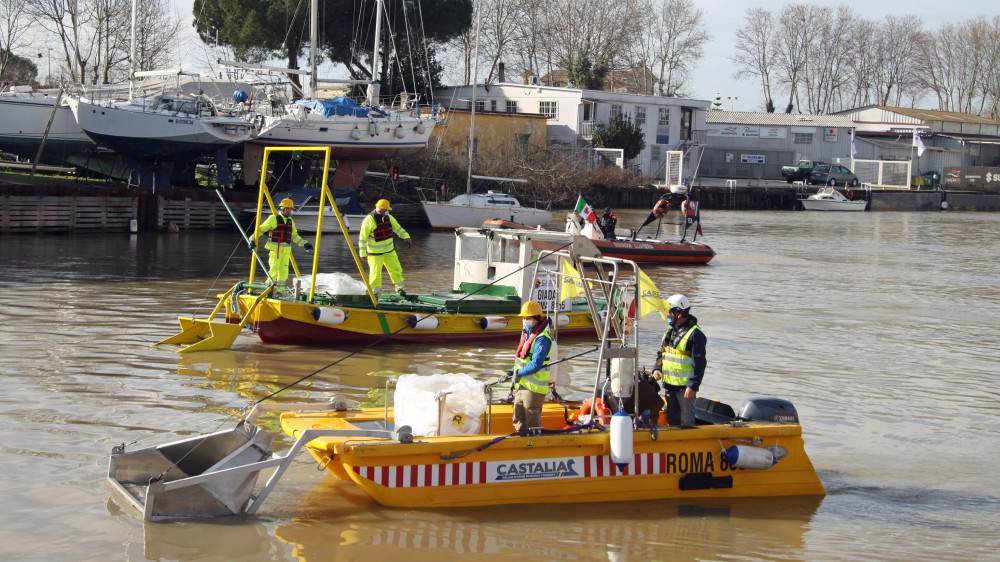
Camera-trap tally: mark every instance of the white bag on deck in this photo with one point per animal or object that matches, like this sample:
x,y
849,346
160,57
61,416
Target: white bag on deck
x,y
333,283
415,404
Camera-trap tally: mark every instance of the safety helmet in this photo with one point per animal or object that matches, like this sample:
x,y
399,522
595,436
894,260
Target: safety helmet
x,y
531,308
383,204
679,302
287,203
607,209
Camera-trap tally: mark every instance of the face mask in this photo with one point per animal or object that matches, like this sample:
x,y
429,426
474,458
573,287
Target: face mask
x,y
670,320
529,324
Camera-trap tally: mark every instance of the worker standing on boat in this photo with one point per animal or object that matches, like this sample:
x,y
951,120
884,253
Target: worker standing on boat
x,y
531,368
375,243
681,361
282,234
608,222
691,213
659,211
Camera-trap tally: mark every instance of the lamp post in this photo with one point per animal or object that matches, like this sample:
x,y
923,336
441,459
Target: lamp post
x,y
732,100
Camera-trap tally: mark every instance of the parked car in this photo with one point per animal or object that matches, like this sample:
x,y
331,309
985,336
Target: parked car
x,y
832,175
800,171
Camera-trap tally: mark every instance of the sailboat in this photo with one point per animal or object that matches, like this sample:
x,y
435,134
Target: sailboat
x,y
153,131
30,120
354,132
472,209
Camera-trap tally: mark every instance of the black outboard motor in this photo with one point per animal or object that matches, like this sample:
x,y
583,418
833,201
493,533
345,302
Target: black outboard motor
x,y
768,410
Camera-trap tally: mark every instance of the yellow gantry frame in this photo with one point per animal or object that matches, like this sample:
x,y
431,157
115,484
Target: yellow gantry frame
x,y
202,334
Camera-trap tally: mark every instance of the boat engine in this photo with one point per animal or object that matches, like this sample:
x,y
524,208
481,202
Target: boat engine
x,y
769,410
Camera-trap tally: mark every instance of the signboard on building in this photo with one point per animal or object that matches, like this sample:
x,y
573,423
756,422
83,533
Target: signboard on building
x,y
830,134
986,179
752,158
747,131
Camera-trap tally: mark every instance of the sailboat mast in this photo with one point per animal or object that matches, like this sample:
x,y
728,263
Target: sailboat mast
x,y
472,113
313,38
373,88
131,55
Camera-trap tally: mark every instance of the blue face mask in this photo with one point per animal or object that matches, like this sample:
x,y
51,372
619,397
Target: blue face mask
x,y
529,323
670,320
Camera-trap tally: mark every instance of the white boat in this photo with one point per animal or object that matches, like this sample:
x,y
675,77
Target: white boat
x,y
307,210
472,209
829,199
369,131
170,126
25,121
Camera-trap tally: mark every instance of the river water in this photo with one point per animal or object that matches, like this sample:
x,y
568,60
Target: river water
x,y
882,329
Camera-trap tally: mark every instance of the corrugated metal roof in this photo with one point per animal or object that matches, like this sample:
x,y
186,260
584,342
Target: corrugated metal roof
x,y
935,115
717,117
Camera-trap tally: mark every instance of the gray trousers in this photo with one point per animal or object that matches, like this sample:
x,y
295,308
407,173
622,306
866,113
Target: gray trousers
x,y
527,410
680,411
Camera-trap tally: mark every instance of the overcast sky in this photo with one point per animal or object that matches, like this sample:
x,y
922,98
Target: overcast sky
x,y
714,72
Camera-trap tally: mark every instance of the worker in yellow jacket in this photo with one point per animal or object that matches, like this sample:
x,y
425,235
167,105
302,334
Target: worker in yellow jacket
x,y
282,234
375,243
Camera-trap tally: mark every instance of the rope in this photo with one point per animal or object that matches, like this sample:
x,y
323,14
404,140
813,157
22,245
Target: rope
x,y
494,441
387,336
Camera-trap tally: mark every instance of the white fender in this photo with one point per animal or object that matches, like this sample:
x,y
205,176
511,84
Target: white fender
x,y
400,132
744,456
356,133
621,440
492,322
329,315
423,322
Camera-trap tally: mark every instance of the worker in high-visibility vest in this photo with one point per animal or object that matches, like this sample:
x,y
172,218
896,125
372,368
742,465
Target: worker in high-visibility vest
x,y
680,362
281,235
375,243
531,368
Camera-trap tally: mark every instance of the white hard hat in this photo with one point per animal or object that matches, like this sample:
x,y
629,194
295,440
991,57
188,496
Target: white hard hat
x,y
678,189
679,301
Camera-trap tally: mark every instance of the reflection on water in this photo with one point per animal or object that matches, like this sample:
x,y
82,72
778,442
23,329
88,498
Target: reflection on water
x,y
881,328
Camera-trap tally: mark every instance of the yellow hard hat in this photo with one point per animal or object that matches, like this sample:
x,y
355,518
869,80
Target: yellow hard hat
x,y
287,203
383,204
531,308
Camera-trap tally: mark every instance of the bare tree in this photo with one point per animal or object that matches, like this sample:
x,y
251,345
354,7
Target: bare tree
x,y
14,24
501,20
678,36
755,51
795,31
94,35
950,65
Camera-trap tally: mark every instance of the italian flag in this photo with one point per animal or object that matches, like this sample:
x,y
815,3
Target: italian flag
x,y
584,210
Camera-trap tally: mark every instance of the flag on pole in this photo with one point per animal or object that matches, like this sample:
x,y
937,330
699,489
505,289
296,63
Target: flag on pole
x,y
571,285
650,298
854,149
584,210
919,143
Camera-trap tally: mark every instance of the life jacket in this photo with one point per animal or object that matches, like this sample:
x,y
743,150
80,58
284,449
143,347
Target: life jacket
x,y
383,227
675,358
282,231
539,381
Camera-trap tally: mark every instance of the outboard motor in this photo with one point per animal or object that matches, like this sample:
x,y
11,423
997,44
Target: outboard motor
x,y
768,410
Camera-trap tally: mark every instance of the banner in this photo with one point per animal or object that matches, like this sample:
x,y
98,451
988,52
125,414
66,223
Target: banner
x,y
650,298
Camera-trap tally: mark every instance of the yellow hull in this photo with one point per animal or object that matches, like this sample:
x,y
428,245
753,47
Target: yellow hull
x,y
295,322
555,468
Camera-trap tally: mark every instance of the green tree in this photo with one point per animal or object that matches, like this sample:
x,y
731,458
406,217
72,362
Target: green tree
x,y
620,132
585,73
259,30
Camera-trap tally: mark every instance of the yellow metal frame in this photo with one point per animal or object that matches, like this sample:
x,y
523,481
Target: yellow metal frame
x,y
204,334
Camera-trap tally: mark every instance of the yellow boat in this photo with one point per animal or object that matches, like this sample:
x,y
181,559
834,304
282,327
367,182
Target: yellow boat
x,y
494,273
446,442
560,466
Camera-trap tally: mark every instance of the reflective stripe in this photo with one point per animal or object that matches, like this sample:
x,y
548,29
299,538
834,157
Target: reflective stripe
x,y
282,231
676,363
536,382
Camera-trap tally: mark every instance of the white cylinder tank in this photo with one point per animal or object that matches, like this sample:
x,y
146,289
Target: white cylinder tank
x,y
329,315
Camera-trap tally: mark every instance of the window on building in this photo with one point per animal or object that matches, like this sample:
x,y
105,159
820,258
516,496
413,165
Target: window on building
x,y
663,120
616,110
511,106
480,105
802,138
687,116
655,156
493,105
549,109
663,126
640,117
